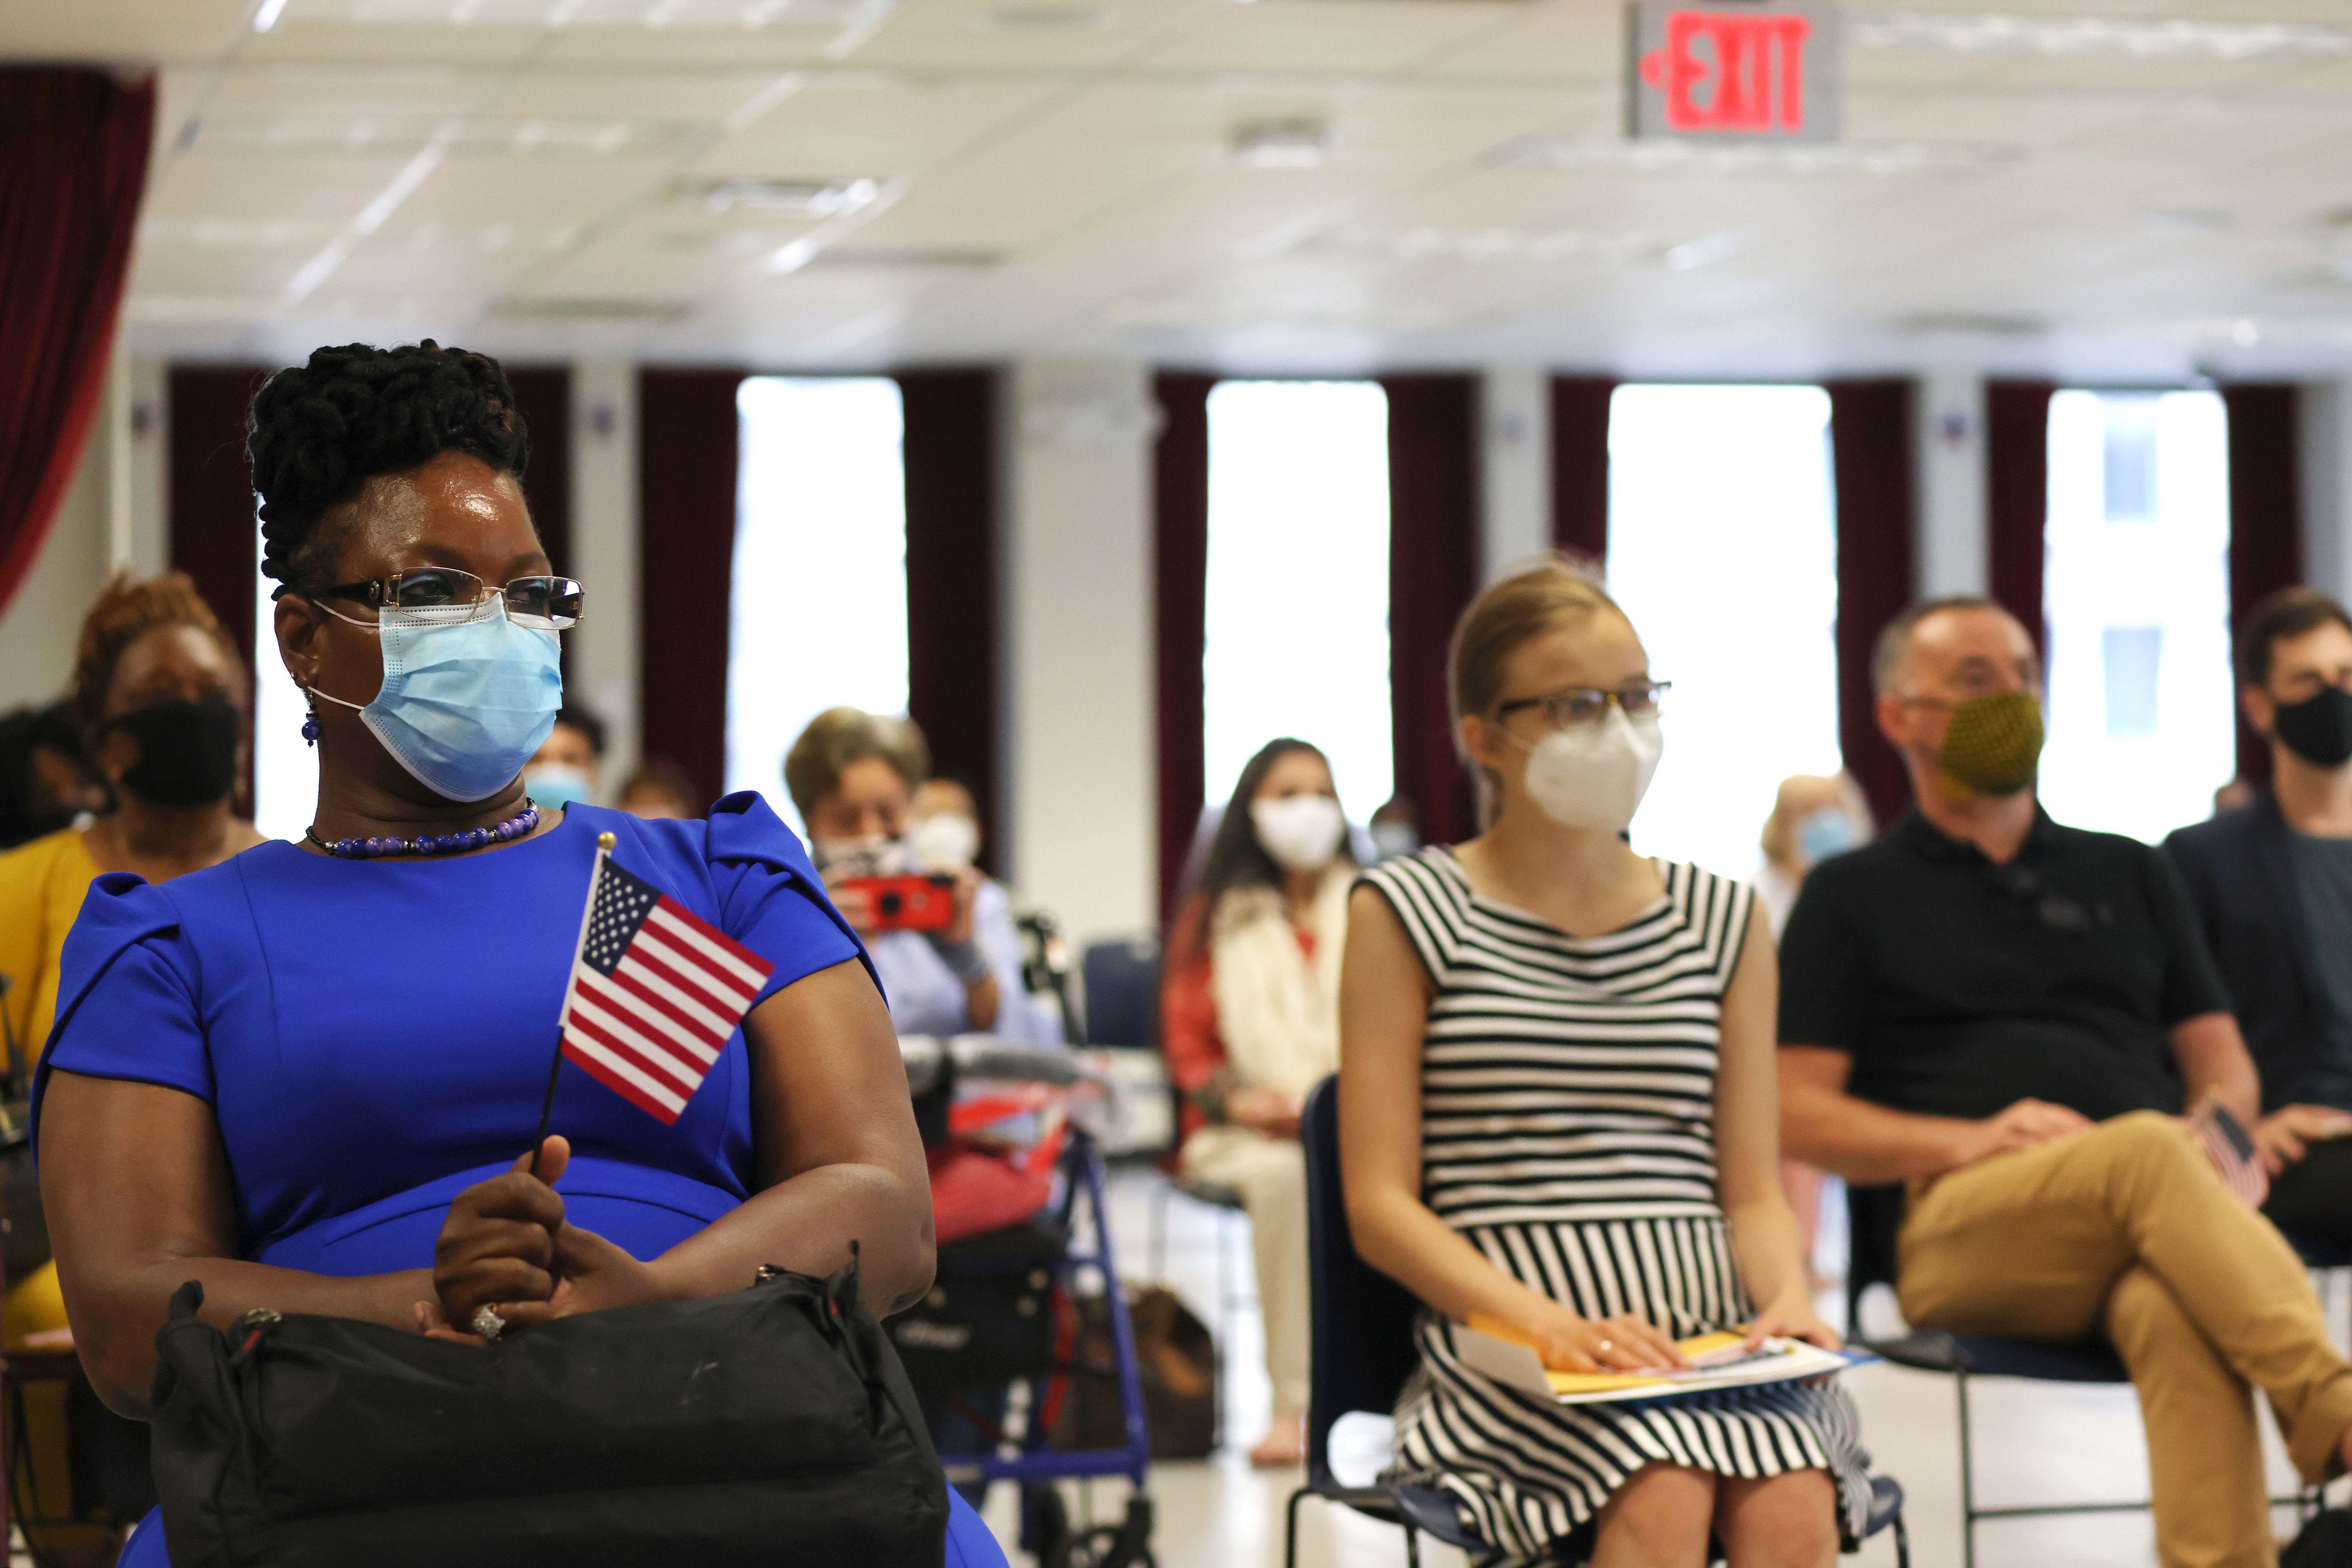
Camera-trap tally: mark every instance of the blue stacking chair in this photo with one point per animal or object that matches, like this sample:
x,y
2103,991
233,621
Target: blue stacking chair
x,y
1362,1322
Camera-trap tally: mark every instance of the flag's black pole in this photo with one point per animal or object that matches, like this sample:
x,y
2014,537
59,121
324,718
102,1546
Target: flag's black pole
x,y
605,842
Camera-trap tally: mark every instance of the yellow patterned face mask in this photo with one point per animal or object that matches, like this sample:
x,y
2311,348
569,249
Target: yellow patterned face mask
x,y
1994,744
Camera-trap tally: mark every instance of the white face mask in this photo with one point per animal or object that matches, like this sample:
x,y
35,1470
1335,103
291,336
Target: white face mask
x,y
944,841
1302,832
1594,777
876,854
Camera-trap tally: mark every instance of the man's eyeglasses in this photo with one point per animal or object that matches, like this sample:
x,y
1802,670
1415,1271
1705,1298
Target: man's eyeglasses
x,y
547,603
1580,705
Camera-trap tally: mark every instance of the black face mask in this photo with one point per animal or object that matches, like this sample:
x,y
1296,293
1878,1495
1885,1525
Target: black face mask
x,y
187,751
2318,729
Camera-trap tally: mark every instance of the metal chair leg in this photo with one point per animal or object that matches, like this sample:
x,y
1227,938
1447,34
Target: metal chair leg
x,y
1412,1547
1902,1542
1968,1479
1157,1246
1290,1529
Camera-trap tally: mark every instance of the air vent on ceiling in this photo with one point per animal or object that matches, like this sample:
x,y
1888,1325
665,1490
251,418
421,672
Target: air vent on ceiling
x,y
630,312
817,198
938,257
1968,324
1045,19
1287,142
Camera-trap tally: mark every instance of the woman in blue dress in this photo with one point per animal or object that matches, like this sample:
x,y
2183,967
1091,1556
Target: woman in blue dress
x,y
304,1076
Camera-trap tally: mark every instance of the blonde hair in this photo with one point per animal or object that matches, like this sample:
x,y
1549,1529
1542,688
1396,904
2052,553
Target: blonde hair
x,y
839,737
1538,597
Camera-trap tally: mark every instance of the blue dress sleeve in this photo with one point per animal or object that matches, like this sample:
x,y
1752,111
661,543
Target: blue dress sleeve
x,y
128,995
770,899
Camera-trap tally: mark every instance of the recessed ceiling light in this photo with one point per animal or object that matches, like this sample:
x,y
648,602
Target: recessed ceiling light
x,y
1045,19
1292,142
817,198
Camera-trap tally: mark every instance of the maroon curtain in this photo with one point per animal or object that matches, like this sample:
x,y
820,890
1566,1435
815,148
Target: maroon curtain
x,y
686,439
1180,526
2265,519
1580,464
544,395
2017,499
216,537
951,579
1870,448
73,163
1432,576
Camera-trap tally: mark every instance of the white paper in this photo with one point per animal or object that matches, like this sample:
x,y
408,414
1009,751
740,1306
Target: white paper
x,y
1777,1361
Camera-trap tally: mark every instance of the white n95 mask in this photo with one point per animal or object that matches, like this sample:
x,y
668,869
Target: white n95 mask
x,y
1302,832
1594,777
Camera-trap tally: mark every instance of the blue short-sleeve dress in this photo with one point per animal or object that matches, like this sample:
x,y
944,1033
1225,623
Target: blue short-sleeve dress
x,y
373,1036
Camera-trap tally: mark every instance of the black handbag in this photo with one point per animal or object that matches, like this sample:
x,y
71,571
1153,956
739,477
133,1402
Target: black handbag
x,y
771,1425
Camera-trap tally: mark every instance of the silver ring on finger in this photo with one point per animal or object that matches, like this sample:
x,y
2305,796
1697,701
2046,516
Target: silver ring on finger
x,y
488,1324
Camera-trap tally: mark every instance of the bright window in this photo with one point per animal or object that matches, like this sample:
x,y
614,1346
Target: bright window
x,y
285,768
1723,550
819,616
1296,623
2136,596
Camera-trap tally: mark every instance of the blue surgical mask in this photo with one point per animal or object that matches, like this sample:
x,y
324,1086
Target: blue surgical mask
x,y
555,785
467,696
1824,833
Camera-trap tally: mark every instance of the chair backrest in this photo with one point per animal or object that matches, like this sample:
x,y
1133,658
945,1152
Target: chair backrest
x,y
1122,986
1361,1319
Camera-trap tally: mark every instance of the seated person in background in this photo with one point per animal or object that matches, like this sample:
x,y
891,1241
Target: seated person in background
x,y
45,781
1250,1022
567,768
1814,818
2010,1016
660,791
2272,885
853,775
1556,1060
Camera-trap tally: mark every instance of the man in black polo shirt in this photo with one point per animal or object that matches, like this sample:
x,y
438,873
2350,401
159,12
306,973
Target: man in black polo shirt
x,y
2009,1016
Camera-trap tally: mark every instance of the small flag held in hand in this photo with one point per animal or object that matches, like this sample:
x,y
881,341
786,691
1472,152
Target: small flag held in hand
x,y
656,992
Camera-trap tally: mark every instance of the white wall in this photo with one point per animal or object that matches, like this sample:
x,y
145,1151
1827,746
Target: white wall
x,y
604,647
40,625
1953,552
1515,479
1078,767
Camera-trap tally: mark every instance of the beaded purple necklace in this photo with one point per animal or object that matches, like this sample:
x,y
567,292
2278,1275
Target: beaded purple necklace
x,y
427,843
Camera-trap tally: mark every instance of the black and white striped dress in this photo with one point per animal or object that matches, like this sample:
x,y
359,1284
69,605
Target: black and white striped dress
x,y
1567,1132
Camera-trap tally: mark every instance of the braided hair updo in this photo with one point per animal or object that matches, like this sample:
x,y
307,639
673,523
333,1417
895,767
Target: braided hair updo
x,y
317,434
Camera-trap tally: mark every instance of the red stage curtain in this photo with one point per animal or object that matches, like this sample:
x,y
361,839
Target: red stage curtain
x,y
2017,498
952,577
215,535
543,393
1434,431
686,439
1180,577
2265,519
1871,444
73,163
1580,464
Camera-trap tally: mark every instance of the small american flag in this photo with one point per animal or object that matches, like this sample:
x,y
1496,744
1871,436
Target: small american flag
x,y
2231,1152
656,992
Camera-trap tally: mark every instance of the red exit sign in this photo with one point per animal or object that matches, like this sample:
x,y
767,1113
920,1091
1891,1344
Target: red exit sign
x,y
1744,72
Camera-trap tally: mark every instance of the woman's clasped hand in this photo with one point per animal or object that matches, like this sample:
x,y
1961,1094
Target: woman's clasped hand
x,y
507,1245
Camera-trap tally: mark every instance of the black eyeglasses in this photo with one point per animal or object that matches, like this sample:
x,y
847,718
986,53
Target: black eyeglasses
x,y
1580,705
548,603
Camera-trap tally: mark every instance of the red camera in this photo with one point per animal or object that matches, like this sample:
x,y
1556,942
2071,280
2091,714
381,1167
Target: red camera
x,y
906,904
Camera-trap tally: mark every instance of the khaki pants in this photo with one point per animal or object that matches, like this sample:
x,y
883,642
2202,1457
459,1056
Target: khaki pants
x,y
1270,1174
2127,1230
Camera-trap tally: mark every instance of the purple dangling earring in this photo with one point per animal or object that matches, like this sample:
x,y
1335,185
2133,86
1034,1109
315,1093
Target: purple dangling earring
x,y
310,720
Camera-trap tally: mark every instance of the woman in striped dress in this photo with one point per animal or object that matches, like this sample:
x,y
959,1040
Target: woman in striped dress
x,y
1556,1109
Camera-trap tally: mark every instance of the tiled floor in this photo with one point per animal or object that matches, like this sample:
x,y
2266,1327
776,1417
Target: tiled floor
x,y
2035,1443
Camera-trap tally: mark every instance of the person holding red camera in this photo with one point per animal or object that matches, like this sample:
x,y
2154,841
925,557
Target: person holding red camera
x,y
941,932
